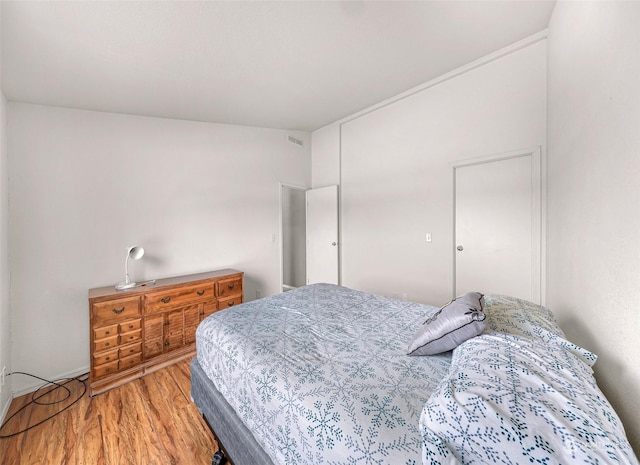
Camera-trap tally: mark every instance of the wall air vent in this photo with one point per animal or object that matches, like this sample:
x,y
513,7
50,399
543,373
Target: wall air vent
x,y
296,141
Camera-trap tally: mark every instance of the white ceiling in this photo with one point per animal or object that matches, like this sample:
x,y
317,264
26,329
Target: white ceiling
x,y
290,65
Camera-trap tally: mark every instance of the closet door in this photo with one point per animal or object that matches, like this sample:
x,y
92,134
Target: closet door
x,y
497,226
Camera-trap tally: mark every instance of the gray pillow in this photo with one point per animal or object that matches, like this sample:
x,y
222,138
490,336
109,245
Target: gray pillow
x,y
459,320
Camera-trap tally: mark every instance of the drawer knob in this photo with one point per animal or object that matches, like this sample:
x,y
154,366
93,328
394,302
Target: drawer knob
x,y
200,292
231,304
107,344
165,300
166,343
118,311
231,286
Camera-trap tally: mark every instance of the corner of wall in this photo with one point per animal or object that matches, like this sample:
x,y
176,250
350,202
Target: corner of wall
x,y
593,110
5,311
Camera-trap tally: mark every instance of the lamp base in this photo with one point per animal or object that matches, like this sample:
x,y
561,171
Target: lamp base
x,y
125,285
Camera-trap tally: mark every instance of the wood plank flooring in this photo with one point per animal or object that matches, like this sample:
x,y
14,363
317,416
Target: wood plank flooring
x,y
149,421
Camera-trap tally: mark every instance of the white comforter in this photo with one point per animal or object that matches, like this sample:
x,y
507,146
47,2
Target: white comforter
x,y
521,393
319,375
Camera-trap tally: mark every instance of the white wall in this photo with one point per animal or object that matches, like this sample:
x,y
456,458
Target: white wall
x,y
396,175
325,162
86,185
5,310
594,192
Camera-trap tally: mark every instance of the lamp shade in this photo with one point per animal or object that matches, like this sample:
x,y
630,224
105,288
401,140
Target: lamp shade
x,y
136,252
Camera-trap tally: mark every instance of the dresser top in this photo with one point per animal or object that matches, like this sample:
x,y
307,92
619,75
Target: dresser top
x,y
111,291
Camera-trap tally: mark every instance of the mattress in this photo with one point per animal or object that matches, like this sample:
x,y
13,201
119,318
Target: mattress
x,y
236,439
320,374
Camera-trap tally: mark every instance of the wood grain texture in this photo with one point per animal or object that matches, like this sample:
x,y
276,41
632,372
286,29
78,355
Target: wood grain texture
x,y
149,421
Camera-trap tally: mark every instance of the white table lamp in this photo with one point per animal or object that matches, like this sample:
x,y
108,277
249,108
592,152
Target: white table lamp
x,y
135,253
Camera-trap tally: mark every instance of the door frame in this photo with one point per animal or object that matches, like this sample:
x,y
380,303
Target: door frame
x,y
538,215
280,229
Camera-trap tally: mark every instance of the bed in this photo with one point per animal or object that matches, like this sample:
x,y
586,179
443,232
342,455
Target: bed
x,y
321,375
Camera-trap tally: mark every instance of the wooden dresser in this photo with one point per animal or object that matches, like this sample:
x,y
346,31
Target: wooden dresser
x,y
140,330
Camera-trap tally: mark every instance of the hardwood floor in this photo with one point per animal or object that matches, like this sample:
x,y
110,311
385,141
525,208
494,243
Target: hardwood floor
x,y
149,421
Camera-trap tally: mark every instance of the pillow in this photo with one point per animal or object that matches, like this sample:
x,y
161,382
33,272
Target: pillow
x,y
459,320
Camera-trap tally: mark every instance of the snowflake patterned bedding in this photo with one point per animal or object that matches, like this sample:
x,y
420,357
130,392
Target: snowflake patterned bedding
x,y
521,393
320,375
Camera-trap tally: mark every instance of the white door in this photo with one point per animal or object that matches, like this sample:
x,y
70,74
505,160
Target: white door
x,y
322,235
497,225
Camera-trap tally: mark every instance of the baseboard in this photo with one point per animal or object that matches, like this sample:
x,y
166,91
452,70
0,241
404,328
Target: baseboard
x,y
37,383
5,408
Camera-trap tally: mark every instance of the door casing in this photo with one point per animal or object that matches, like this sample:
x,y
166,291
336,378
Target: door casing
x,y
323,267
537,215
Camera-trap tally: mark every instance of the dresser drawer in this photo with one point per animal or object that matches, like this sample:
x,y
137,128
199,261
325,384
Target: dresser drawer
x,y
120,309
106,343
227,287
229,302
105,332
129,350
131,336
159,301
106,369
130,326
105,357
129,362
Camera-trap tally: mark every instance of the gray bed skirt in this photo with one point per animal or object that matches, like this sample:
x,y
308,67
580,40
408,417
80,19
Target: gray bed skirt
x,y
238,442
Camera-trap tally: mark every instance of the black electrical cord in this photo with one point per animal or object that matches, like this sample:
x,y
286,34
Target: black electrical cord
x,y
36,396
